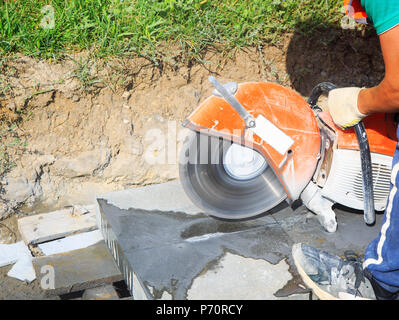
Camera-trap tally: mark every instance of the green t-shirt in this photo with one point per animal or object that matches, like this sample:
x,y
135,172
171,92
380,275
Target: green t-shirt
x,y
384,14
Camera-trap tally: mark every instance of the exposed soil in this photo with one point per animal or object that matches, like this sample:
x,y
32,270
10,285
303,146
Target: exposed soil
x,y
13,289
82,124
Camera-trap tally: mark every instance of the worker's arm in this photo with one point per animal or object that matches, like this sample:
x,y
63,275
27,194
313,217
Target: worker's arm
x,y
385,96
348,106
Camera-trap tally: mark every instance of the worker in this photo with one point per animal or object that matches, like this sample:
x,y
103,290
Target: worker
x,y
377,275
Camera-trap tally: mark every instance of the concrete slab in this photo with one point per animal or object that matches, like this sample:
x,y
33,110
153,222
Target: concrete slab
x,y
75,242
76,270
352,233
165,252
106,292
54,225
165,197
235,277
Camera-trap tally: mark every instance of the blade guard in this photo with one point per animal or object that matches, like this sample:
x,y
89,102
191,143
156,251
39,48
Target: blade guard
x,y
286,110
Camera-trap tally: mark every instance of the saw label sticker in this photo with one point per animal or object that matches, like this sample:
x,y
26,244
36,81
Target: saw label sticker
x,y
272,135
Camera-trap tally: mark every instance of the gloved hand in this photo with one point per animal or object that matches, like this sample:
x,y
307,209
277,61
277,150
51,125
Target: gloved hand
x,y
342,105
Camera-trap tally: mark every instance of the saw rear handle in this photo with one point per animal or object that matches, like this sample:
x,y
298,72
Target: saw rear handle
x,y
365,157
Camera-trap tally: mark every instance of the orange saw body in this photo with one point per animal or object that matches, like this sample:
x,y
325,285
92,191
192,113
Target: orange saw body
x,y
272,144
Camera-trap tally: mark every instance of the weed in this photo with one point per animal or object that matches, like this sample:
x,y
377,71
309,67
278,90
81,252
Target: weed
x,y
5,160
85,73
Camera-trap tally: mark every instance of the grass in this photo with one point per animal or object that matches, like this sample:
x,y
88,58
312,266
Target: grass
x,y
144,27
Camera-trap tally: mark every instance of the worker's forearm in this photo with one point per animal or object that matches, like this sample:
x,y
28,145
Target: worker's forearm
x,y
382,98
385,96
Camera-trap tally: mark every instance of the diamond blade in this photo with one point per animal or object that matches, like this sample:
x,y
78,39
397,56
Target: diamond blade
x,y
212,189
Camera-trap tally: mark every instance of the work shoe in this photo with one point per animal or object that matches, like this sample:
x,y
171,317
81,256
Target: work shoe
x,y
330,277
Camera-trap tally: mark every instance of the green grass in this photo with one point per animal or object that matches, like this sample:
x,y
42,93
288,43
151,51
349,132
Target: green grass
x,y
147,27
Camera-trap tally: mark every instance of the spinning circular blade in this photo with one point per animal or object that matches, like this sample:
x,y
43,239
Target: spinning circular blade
x,y
223,188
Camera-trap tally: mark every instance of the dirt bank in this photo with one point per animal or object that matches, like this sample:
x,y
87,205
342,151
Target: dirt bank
x,y
84,124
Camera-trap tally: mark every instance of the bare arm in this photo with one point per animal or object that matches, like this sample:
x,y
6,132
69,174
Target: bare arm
x,y
385,96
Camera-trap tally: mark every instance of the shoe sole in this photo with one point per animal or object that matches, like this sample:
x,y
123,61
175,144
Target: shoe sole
x,y
319,292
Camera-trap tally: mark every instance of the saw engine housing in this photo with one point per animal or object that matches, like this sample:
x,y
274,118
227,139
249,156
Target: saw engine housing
x,y
300,144
339,172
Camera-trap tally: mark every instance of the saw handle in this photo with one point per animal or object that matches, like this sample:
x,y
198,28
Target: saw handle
x,y
317,91
365,157
367,173
245,115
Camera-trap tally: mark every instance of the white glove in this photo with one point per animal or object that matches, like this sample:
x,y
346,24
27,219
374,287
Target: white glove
x,y
342,105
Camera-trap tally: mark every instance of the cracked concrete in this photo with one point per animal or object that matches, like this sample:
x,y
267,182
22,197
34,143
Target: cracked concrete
x,y
169,249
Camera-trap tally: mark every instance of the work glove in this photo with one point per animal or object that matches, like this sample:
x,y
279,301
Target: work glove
x,y
342,105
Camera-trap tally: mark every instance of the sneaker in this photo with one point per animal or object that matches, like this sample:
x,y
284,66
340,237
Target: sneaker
x,y
330,277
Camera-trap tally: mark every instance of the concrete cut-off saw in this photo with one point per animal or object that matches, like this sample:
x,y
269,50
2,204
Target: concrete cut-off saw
x,y
253,145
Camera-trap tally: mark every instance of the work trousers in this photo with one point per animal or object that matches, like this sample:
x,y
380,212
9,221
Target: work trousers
x,y
382,254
